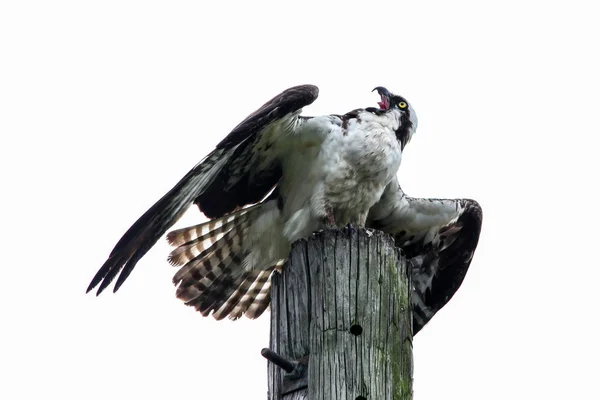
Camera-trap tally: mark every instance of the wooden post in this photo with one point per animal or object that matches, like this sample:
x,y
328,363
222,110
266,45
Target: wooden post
x,y
342,307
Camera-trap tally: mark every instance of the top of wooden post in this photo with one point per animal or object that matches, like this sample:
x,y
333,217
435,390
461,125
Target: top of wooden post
x,y
344,300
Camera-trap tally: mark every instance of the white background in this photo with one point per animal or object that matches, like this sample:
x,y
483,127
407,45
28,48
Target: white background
x,y
105,105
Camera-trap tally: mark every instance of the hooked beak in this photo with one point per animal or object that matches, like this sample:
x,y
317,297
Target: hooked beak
x,y
385,94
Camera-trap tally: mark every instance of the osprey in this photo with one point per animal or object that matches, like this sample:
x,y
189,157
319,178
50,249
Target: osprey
x,y
278,177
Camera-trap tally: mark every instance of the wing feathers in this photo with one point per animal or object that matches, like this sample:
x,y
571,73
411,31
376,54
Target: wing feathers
x,y
146,231
288,101
254,172
438,238
255,168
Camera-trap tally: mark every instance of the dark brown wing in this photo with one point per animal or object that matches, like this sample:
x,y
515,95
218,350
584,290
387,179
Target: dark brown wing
x,y
437,236
254,170
238,172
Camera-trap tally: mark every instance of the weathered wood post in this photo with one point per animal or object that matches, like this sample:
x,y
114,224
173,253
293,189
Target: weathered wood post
x,y
342,308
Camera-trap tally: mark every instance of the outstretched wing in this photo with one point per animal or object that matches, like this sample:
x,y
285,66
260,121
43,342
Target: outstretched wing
x,y
437,236
241,170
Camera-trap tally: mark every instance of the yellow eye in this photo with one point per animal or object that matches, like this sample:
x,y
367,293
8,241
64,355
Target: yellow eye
x,y
402,104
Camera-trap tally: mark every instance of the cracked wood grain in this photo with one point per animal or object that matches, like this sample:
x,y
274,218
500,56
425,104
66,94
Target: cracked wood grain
x,y
343,299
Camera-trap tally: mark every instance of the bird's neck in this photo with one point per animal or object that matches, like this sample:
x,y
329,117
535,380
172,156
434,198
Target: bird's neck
x,y
404,134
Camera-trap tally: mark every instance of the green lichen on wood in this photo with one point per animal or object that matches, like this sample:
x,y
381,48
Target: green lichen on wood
x,y
401,353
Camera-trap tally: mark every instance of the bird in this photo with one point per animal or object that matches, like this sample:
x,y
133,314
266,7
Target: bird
x,y
279,176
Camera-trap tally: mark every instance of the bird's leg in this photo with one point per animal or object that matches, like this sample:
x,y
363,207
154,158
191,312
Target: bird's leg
x,y
361,220
358,222
329,218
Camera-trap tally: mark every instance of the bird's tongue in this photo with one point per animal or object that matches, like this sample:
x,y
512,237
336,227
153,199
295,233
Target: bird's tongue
x,y
384,104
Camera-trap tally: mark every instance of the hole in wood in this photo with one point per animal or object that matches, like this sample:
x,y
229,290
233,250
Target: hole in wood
x,y
356,330
361,398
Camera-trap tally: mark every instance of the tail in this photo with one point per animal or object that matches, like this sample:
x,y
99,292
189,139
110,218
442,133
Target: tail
x,y
146,231
227,262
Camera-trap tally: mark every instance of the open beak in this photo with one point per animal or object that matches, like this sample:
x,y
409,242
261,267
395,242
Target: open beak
x,y
385,94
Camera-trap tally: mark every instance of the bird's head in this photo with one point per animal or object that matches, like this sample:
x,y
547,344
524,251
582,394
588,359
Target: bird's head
x,y
392,103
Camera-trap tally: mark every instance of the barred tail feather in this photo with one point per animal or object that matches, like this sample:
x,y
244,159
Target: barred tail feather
x,y
218,272
207,301
197,248
207,229
257,297
200,272
238,303
229,303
